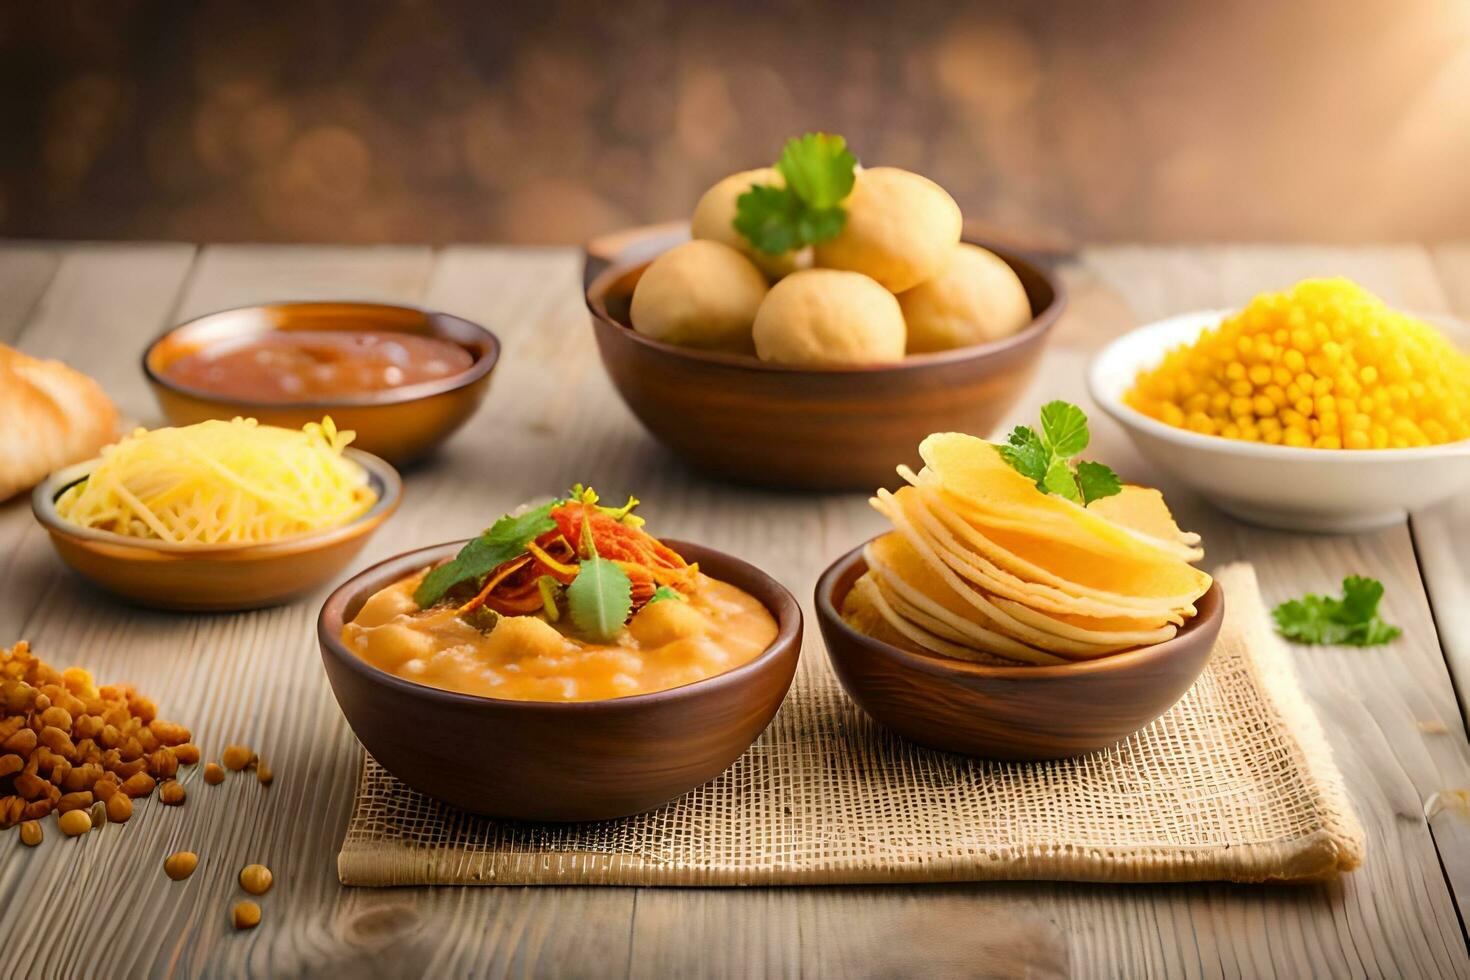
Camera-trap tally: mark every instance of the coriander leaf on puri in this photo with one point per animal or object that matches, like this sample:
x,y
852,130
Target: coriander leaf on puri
x,y
818,172
1047,458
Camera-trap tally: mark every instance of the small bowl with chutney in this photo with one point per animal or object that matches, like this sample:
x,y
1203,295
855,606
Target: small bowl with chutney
x,y
403,378
563,666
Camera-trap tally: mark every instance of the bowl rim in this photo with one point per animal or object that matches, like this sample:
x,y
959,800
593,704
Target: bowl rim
x,y
1042,322
482,365
1177,329
330,621
1211,610
381,474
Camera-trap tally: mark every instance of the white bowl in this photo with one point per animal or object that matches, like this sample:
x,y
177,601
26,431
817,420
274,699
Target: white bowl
x,y
1332,490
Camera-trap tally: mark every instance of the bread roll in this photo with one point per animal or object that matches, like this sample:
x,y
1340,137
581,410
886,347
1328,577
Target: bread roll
x,y
50,417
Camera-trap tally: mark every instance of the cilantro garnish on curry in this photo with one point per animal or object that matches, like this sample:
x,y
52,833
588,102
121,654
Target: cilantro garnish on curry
x,y
568,601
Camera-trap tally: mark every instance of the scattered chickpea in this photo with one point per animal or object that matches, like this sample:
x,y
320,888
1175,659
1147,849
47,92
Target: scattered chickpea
x,y
138,784
256,879
237,757
30,833
171,792
74,823
119,808
180,865
213,774
69,746
74,801
245,915
263,773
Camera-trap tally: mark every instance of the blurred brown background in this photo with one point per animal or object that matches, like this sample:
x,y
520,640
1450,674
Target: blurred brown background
x,y
450,120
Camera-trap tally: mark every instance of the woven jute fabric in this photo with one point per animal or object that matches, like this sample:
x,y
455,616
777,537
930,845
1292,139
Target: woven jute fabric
x,y
1235,782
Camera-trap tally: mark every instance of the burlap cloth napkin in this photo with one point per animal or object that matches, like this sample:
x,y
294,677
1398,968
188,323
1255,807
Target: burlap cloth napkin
x,y
1235,782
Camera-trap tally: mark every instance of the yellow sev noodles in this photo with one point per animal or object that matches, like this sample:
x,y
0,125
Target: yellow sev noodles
x,y
217,482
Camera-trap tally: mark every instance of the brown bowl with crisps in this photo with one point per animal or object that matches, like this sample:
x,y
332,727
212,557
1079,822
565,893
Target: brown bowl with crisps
x,y
1009,712
1014,620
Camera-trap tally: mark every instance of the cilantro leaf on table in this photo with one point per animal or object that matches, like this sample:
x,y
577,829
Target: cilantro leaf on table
x,y
504,540
1352,620
820,172
1047,458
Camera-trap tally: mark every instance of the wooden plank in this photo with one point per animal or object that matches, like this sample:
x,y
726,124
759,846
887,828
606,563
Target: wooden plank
x,y
1156,282
1393,917
256,678
552,419
97,293
26,270
1408,693
525,442
237,275
1442,533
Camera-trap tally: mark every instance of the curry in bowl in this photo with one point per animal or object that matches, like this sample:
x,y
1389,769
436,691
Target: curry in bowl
x,y
569,601
564,665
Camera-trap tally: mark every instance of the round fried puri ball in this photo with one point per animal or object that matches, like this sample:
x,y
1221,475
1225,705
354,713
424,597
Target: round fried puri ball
x,y
829,318
976,299
714,218
900,229
699,294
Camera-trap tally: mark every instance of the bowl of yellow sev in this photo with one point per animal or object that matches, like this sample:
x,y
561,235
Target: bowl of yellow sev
x,y
1316,408
217,516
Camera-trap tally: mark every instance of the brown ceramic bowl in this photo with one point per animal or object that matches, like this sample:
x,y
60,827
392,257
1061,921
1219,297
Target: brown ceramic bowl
x,y
400,425
842,429
549,760
1014,713
212,578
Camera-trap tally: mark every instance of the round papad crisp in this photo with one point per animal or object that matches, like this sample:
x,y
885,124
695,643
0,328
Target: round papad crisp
x,y
928,509
1063,546
899,570
962,562
986,613
974,472
1142,510
868,592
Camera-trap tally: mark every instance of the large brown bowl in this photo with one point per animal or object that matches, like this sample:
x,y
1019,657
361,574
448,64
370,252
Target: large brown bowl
x,y
549,760
400,424
212,578
1014,713
794,428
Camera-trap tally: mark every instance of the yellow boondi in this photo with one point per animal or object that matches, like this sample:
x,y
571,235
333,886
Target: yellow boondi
x,y
1325,364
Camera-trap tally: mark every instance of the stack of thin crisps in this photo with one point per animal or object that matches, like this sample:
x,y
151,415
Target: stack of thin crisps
x,y
984,566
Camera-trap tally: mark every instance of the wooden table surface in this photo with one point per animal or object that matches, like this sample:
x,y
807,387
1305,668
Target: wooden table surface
x,y
101,906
